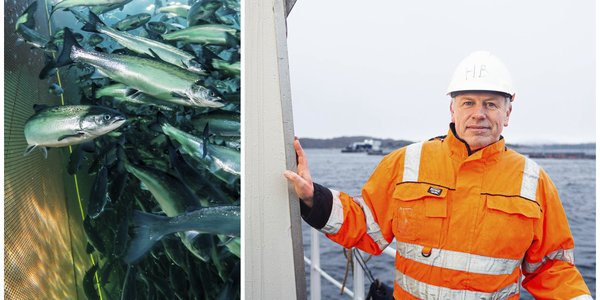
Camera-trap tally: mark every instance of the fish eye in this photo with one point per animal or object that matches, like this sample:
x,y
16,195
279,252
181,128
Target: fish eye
x,y
106,117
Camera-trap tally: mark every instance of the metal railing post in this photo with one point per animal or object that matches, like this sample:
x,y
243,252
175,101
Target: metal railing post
x,y
315,276
359,280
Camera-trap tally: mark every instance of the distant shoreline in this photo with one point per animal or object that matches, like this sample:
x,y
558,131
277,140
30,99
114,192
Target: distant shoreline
x,y
343,141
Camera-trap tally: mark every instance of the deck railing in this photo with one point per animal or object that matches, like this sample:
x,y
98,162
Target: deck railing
x,y
358,276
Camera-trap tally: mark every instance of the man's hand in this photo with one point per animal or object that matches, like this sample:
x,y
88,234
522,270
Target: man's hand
x,y
303,184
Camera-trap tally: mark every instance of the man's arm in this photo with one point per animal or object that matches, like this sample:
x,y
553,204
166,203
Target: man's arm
x,y
362,222
302,181
548,266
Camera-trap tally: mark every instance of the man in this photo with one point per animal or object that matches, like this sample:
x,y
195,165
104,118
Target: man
x,y
469,215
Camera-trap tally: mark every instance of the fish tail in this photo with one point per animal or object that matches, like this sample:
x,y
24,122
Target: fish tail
x,y
65,56
231,40
69,43
158,124
146,233
92,25
30,11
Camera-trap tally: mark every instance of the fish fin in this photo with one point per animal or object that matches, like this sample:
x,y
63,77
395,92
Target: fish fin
x,y
39,107
30,11
98,74
231,40
229,240
92,25
131,92
70,135
146,233
160,120
45,151
154,54
29,149
179,95
47,70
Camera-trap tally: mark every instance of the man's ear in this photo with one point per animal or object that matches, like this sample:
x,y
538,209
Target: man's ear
x,y
452,111
508,111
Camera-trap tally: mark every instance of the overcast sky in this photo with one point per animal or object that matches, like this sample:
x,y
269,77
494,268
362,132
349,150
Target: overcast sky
x,y
381,68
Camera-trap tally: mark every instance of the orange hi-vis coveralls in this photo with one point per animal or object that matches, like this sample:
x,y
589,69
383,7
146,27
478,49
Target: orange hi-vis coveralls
x,y
467,225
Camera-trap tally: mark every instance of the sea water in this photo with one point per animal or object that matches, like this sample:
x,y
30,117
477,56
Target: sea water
x,y
347,172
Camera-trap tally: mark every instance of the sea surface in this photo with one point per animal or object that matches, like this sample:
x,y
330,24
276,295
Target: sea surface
x,y
575,180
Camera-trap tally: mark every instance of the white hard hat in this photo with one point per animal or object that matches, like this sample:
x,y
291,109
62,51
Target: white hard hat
x,y
481,71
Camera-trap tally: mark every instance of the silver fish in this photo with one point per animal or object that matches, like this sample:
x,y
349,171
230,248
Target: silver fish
x,y
179,10
222,161
132,22
25,28
173,197
226,67
60,126
221,124
213,34
123,93
106,8
75,3
149,229
95,39
161,80
162,51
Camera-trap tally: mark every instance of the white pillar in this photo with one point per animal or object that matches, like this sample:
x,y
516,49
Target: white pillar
x,y
272,237
359,280
315,276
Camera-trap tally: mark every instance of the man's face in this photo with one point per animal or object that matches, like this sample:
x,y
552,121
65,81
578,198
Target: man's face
x,y
480,117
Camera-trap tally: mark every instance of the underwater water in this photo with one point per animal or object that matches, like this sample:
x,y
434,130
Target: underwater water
x,y
138,113
574,179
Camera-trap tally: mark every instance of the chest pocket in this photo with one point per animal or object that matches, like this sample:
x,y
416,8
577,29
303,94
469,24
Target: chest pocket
x,y
508,224
420,210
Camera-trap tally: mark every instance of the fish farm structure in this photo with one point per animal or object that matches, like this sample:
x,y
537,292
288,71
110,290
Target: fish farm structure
x,y
130,186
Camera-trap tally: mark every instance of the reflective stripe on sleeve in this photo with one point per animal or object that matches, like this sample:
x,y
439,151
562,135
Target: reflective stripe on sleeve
x,y
336,219
583,297
423,290
412,160
566,255
530,179
373,229
458,261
